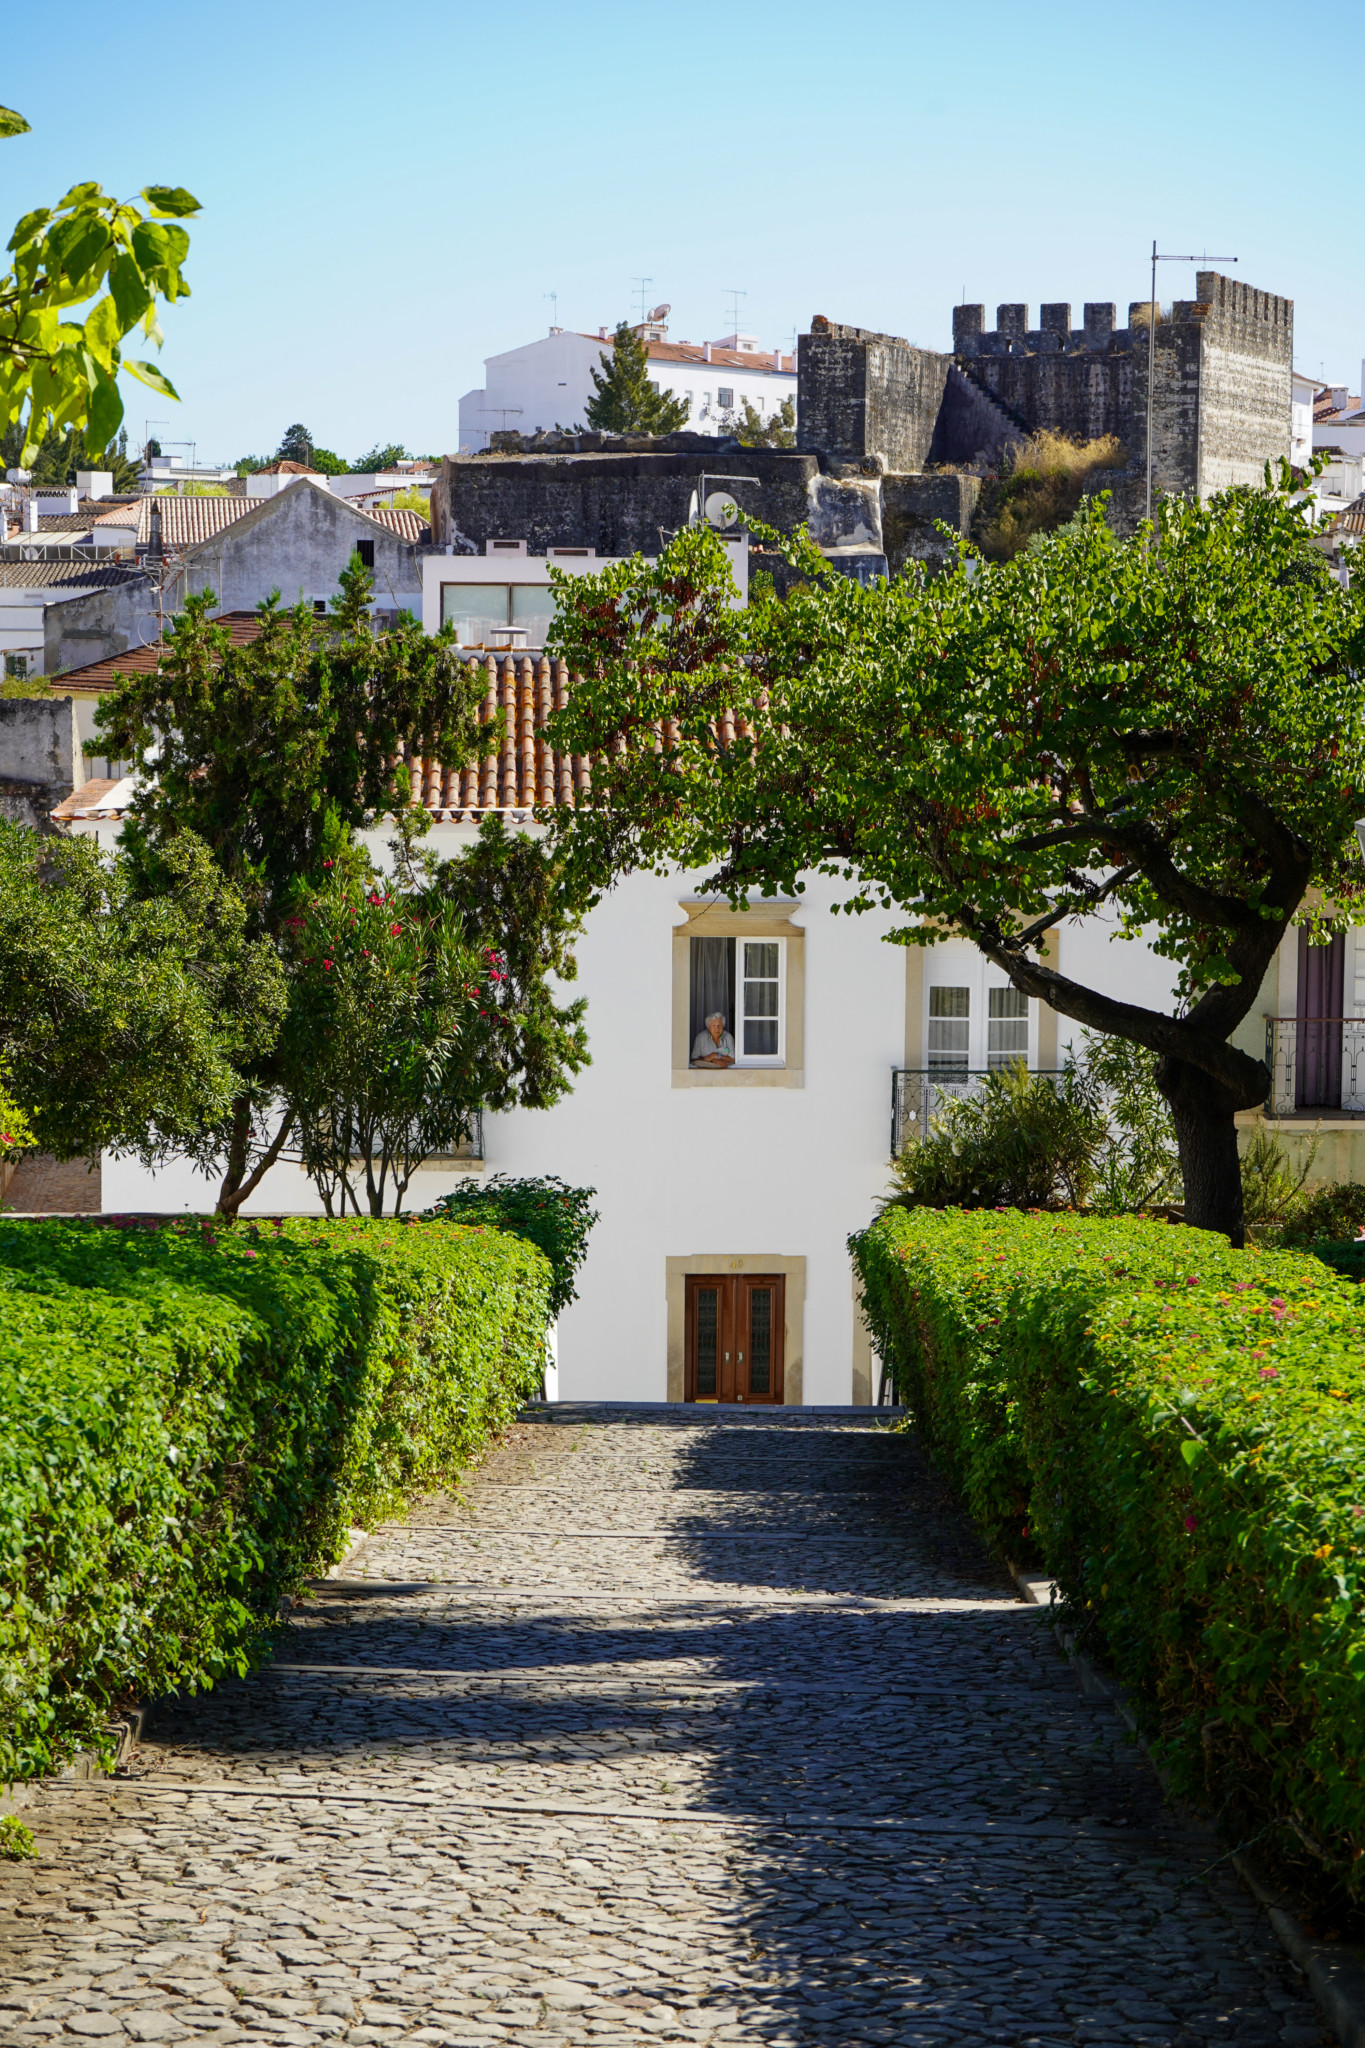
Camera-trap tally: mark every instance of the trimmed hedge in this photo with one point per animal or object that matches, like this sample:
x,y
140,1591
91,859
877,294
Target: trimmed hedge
x,y
545,1210
1175,1428
191,1418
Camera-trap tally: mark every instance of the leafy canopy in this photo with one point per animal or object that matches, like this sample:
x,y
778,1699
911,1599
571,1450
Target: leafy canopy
x,y
624,401
89,246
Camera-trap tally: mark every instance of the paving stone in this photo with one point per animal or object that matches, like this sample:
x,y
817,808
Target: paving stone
x,y
782,1620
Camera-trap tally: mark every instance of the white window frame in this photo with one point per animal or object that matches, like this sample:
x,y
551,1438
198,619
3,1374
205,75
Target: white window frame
x,y
757,1059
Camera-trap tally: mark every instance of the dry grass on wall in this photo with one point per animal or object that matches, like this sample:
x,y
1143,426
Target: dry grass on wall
x,y
1038,487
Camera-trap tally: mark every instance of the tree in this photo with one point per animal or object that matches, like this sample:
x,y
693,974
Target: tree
x,y
625,402
90,246
296,445
127,1015
327,463
386,997
752,431
1171,726
382,457
61,456
274,754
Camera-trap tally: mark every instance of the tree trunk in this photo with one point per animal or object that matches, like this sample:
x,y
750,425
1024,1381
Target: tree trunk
x,y
1204,1115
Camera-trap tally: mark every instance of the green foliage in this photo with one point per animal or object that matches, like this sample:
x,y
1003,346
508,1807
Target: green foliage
x,y
412,500
556,1218
1174,732
1174,1428
90,246
296,445
1331,1212
381,457
376,1059
1039,487
1023,1139
16,1132
24,686
624,401
191,1417
131,999
1345,1256
60,456
16,1841
751,430
1272,1189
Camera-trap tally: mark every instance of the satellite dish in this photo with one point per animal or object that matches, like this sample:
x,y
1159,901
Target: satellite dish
x,y
721,509
660,312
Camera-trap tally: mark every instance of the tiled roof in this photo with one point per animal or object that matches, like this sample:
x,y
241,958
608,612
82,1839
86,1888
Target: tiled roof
x,y
184,521
522,774
286,469
407,524
65,522
242,627
724,358
58,576
1352,520
92,800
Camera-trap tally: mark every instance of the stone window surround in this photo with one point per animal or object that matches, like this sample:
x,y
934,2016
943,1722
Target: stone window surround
x,y
793,1270
709,918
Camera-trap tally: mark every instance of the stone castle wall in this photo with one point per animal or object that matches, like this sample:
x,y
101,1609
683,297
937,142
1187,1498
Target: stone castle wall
x,y
861,394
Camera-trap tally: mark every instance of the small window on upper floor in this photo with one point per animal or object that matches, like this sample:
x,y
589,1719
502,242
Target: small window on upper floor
x,y
735,1003
365,550
725,397
320,606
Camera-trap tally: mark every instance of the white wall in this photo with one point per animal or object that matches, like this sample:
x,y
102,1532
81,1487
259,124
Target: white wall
x,y
548,383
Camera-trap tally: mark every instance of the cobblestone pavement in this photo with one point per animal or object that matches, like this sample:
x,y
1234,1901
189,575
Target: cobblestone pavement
x,y
691,1727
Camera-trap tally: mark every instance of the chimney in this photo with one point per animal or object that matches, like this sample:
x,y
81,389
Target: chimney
x,y
777,359
706,351
601,334
31,516
154,534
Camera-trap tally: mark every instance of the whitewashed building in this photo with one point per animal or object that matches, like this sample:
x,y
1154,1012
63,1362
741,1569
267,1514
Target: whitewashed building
x,y
548,383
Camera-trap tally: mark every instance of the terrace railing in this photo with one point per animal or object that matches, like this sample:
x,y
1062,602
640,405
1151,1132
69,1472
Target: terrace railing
x,y
1317,1066
918,1094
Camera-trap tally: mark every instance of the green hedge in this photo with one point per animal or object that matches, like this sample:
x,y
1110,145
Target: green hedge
x,y
545,1210
192,1416
1175,1429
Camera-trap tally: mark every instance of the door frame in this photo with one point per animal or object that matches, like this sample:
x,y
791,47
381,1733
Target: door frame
x,y
677,1271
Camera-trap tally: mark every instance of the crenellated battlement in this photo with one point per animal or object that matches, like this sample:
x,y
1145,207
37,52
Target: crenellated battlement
x,y
1259,320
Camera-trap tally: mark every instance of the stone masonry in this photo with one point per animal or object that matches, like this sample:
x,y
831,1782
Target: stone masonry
x,y
675,1726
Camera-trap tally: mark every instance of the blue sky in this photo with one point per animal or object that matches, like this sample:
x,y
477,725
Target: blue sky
x,y
390,194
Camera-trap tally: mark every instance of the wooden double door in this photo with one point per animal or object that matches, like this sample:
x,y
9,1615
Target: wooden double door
x,y
735,1329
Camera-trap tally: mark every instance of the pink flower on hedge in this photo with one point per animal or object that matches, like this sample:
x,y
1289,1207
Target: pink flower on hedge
x,y
1191,1523
1268,1372
251,1255
394,930
1193,1280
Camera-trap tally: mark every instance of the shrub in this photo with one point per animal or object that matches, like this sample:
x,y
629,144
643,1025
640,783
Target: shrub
x,y
1334,1212
1021,1139
1039,487
191,1418
1174,1427
554,1217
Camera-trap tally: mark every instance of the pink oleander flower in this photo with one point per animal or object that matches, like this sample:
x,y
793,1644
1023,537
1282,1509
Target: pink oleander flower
x,y
1191,1523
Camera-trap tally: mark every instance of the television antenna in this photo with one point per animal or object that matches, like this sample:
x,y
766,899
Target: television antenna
x,y
642,285
1152,310
553,297
734,295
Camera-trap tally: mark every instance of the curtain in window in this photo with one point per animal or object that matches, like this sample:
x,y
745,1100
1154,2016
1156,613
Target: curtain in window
x,y
1322,976
712,985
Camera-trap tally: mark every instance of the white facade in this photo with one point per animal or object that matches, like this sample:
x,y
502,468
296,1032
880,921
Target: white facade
x,y
548,383
1343,427
502,598
1302,392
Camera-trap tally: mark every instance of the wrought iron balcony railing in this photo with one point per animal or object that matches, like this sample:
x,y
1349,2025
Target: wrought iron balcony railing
x,y
1317,1066
918,1093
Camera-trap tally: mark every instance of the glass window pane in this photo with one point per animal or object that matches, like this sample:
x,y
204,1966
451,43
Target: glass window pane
x,y
762,999
760,1038
474,609
1006,1027
949,1027
760,961
760,1340
533,607
708,1317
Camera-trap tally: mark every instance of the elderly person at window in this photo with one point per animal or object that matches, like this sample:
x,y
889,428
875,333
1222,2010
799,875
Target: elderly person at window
x,y
713,1047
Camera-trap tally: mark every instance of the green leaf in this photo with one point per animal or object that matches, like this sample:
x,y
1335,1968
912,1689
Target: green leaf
x,y
12,123
1191,1450
148,374
103,332
106,411
29,227
128,290
171,200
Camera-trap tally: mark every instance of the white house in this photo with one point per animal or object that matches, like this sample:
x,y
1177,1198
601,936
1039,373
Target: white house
x,y
1338,420
548,383
1303,393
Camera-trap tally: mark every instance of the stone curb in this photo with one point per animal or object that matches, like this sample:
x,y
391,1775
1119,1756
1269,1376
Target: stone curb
x,y
1336,1975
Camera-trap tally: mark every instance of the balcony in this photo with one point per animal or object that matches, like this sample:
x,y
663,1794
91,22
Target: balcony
x,y
918,1093
1317,1066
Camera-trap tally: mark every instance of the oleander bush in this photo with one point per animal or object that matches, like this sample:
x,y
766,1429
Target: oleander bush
x,y
193,1415
1175,1429
545,1210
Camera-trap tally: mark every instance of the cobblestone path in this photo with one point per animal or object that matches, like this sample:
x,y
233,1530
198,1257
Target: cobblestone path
x,y
680,1728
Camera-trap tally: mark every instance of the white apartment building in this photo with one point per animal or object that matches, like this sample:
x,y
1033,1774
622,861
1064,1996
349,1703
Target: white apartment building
x,y
548,383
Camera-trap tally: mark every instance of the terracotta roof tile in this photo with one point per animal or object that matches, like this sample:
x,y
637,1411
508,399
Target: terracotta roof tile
x,y
65,575
406,523
184,521
242,627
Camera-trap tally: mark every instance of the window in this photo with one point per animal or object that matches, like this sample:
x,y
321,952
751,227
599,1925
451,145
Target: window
x,y
477,610
950,1011
735,1003
365,550
725,397
320,606
1006,1027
